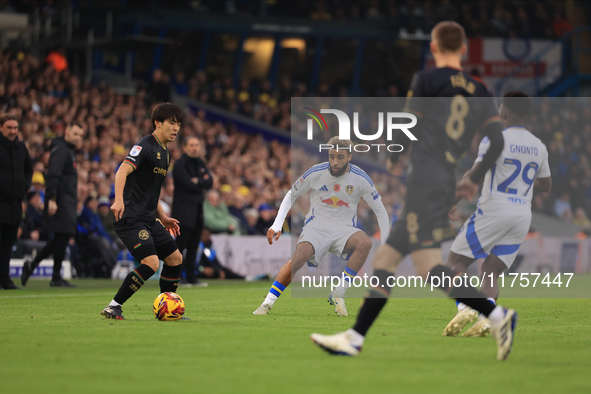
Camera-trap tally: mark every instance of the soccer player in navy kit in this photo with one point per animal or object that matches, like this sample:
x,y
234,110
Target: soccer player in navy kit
x,y
140,221
446,128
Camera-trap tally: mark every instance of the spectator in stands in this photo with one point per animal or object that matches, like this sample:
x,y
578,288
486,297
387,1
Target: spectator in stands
x,y
180,84
94,240
320,12
373,12
235,203
563,208
33,222
266,218
38,183
218,219
16,172
252,218
210,265
191,180
560,25
108,220
57,58
581,220
159,90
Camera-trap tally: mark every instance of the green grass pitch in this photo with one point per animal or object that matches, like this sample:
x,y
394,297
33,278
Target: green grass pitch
x,y
55,341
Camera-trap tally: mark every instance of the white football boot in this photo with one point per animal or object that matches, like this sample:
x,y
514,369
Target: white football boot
x,y
338,344
464,317
504,334
262,310
480,329
339,304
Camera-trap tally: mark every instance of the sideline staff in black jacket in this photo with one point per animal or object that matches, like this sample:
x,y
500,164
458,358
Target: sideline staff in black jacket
x,y
191,180
61,201
15,179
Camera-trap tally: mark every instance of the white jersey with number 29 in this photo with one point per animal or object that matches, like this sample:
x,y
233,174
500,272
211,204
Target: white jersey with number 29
x,y
508,186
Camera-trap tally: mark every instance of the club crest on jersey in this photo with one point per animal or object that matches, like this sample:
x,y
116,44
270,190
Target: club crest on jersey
x,y
135,150
158,155
349,189
337,187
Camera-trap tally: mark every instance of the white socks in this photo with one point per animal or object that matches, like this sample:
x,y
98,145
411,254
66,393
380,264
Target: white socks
x,y
114,303
355,337
271,298
496,316
339,291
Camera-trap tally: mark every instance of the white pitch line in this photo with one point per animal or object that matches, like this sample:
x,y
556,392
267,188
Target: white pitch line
x,y
55,295
91,294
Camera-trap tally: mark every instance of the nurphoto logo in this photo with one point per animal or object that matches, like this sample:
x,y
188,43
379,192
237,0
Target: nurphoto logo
x,y
345,128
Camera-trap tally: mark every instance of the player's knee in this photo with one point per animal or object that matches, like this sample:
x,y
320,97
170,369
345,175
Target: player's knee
x,y
152,262
492,264
458,262
174,259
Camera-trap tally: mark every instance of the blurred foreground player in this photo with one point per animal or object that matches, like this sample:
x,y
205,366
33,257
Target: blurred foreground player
x,y
140,220
336,188
444,134
503,216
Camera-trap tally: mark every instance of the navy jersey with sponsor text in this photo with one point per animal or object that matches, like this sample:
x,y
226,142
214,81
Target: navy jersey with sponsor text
x,y
142,188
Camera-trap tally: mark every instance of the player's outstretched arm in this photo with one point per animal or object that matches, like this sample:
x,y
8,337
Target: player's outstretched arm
x,y
378,208
275,229
172,225
543,184
466,187
272,234
493,130
120,179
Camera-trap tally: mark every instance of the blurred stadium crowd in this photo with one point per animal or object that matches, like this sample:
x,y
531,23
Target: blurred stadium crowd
x,y
541,19
533,19
251,174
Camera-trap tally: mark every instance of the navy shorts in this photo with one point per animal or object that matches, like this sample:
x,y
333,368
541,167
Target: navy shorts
x,y
144,239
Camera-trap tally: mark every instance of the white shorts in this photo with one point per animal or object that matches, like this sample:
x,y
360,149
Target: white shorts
x,y
325,237
482,235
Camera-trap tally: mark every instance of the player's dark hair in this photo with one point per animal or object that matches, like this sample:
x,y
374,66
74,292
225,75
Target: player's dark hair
x,y
75,123
449,36
6,118
517,102
167,111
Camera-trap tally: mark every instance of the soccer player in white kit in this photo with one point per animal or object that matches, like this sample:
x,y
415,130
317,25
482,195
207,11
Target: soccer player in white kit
x,y
503,216
336,188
